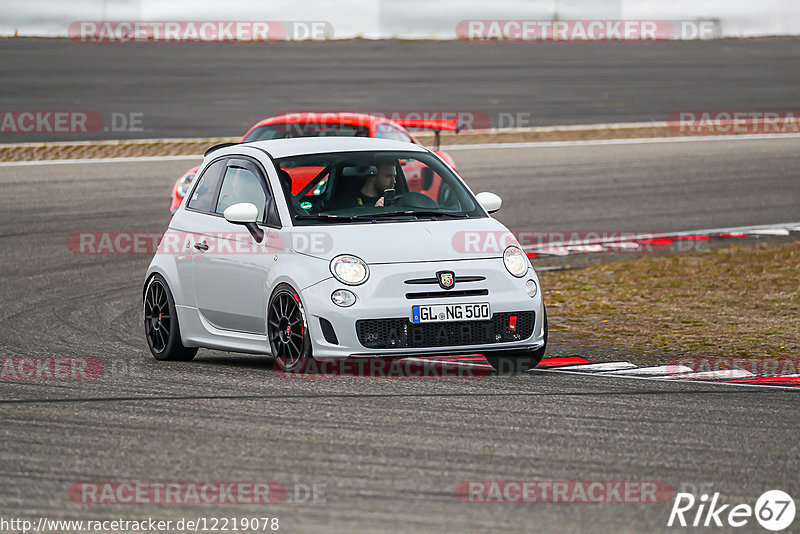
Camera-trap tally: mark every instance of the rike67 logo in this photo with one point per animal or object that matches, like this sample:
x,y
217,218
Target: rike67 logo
x,y
774,510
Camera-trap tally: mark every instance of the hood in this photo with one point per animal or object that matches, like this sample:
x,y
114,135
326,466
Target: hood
x,y
398,242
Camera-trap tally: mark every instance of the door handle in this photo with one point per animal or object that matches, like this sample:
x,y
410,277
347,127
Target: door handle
x,y
201,246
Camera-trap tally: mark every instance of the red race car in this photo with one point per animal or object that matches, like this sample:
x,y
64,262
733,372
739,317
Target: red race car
x,y
341,124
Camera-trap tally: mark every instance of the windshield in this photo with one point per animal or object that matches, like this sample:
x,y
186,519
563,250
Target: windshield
x,y
357,187
306,129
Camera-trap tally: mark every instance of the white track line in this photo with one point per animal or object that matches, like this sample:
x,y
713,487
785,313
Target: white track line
x,y
661,370
722,374
662,380
632,141
599,367
771,231
585,248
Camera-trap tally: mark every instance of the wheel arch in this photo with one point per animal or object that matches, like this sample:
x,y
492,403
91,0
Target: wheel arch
x,y
169,273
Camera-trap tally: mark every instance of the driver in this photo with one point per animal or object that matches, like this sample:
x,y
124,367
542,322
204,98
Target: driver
x,y
371,193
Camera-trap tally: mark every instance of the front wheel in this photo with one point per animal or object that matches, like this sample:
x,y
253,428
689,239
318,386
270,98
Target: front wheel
x,y
287,330
161,323
513,362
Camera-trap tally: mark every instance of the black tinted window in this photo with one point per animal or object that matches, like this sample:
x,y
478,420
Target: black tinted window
x,y
203,194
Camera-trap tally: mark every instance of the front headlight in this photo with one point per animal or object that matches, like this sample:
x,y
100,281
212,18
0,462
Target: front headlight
x,y
515,261
184,184
349,270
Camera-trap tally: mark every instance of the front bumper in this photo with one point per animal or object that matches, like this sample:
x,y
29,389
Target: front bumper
x,y
382,302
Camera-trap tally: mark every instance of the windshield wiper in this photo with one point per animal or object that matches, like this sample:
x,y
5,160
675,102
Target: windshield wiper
x,y
383,215
427,213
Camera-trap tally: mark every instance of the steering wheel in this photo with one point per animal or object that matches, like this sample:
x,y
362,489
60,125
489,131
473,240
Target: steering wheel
x,y
412,199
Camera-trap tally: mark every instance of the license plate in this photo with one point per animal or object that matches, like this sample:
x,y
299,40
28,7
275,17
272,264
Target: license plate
x,y
450,312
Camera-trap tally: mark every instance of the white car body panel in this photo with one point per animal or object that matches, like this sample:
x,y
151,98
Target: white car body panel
x,y
221,298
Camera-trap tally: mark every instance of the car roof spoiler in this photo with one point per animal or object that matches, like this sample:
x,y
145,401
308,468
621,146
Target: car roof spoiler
x,y
221,145
437,125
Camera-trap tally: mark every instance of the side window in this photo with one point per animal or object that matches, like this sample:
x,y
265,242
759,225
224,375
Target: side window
x,y
241,184
387,131
203,194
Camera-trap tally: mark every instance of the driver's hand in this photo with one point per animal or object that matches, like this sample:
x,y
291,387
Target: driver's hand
x,y
379,203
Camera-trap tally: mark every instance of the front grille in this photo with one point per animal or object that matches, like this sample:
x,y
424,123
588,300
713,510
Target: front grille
x,y
448,293
402,333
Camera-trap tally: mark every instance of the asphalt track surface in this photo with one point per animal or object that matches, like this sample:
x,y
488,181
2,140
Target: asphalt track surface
x,y
390,453
221,89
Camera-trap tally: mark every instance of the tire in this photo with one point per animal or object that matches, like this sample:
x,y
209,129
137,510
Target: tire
x,y
161,328
287,331
514,362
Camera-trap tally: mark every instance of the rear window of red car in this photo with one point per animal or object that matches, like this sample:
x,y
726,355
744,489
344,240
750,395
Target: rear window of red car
x,y
306,129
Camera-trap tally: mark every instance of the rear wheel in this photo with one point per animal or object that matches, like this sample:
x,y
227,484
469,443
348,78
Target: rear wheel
x,y
513,362
287,330
161,323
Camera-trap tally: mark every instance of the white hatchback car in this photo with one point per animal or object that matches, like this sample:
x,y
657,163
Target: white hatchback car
x,y
325,248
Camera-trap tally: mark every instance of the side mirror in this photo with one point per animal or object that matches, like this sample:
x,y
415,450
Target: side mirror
x,y
488,201
242,213
246,214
